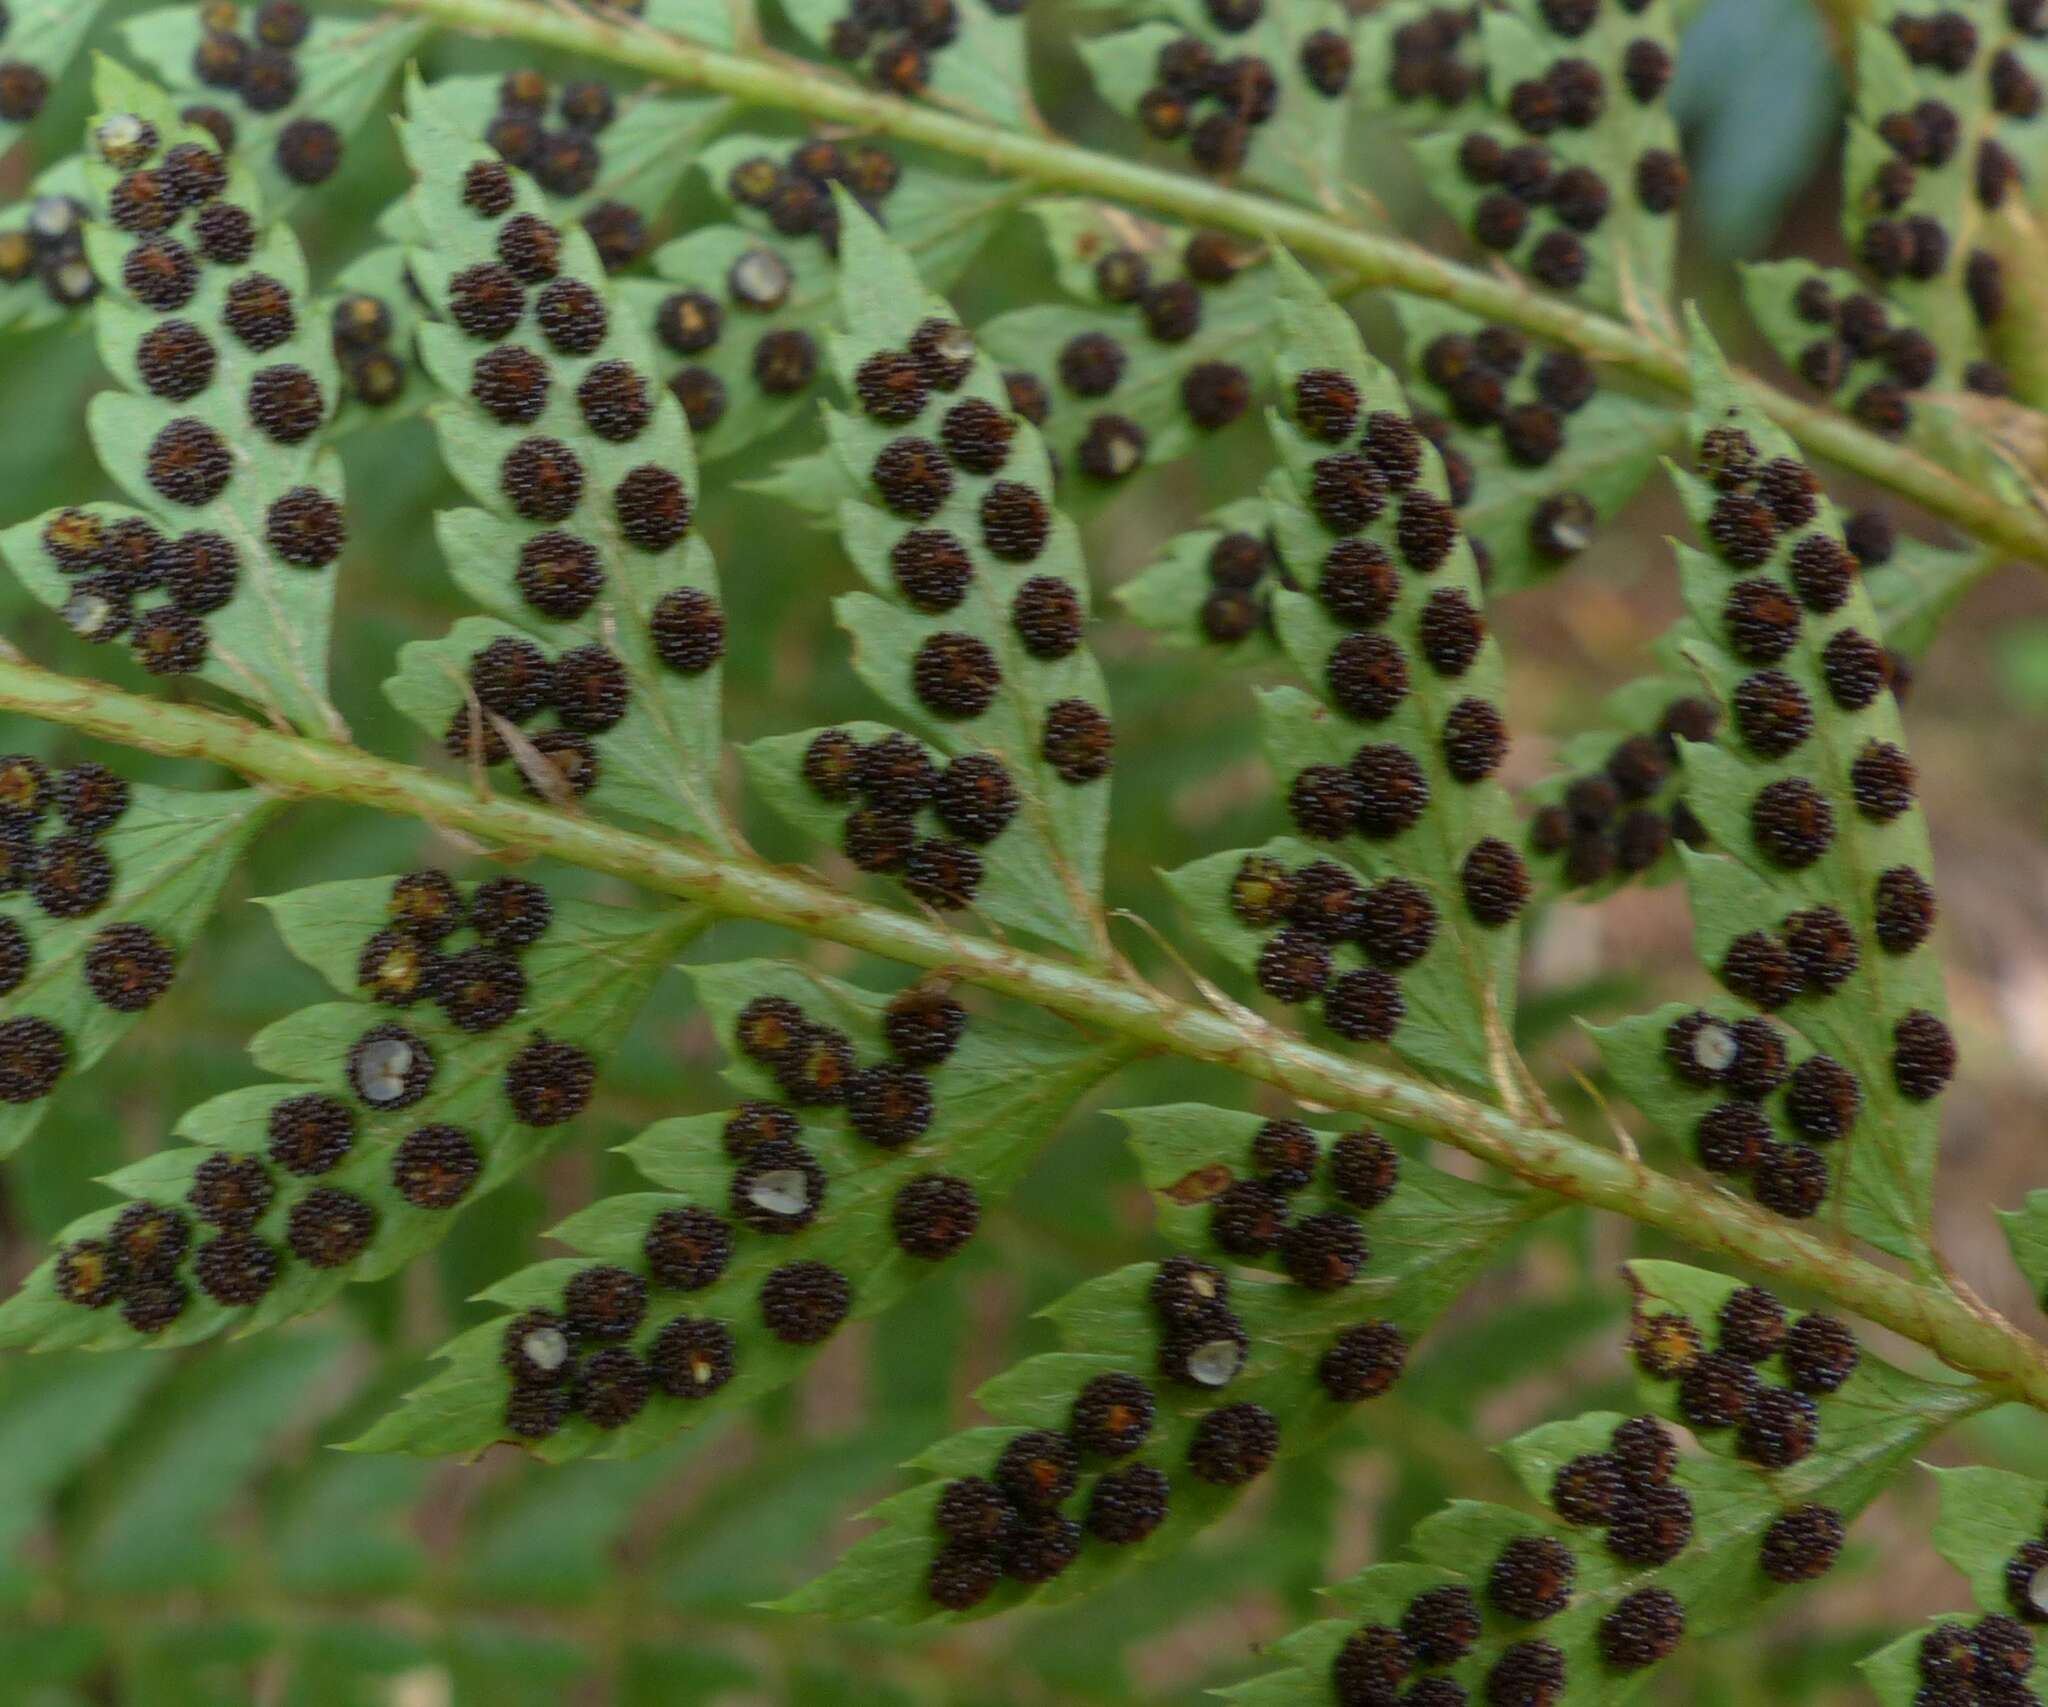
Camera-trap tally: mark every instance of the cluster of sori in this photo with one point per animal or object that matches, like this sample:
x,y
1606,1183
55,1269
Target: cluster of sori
x,y
1985,1664
692,321
512,678
261,69
129,581
1317,909
894,779
50,848
1859,342
1322,1249
1628,1492
1243,569
956,676
1010,1523
795,194
580,1360
267,1210
373,368
543,481
1761,505
170,200
49,247
1091,365
1776,1426
1217,99
565,158
1486,381
1423,63
1521,181
1746,1062
899,39
1608,821
463,957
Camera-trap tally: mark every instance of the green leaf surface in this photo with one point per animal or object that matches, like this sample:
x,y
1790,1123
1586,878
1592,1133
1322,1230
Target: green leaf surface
x,y
1428,1243
1883,1169
171,853
2026,1233
1869,1431
1054,845
1987,1515
1168,596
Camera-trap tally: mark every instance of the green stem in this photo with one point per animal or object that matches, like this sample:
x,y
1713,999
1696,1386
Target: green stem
x,y
1968,1338
1365,258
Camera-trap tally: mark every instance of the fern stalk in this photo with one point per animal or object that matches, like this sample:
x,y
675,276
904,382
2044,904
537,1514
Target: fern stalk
x,y
1366,259
1962,1333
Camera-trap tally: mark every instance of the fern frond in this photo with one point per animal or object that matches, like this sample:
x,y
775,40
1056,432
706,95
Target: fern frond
x,y
1195,1361
380,1122
973,628
604,597
967,55
1575,171
104,887
289,106
227,571
1390,764
1255,89
42,38
1539,452
1165,341
1640,1544
741,306
820,1200
1814,899
1212,587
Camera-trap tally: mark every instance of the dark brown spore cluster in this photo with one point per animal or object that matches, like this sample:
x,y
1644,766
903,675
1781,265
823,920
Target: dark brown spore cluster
x,y
1296,1203
887,785
586,688
1531,198
1985,1664
1868,350
1437,1628
47,246
1214,94
1013,1523
1241,569
368,350
259,62
777,1188
1425,64
792,199
554,135
1776,1423
1331,934
129,581
288,1202
898,42
1156,305
53,853
1628,1491
1813,662
1621,819
1490,380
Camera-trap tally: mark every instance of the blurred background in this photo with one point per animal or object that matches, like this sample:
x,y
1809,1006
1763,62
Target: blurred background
x,y
334,1579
